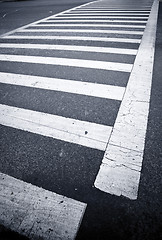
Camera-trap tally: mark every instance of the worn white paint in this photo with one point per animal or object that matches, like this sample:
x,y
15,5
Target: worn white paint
x,y
38,213
131,123
78,38
89,25
70,48
127,157
84,31
114,66
66,129
119,172
64,85
117,179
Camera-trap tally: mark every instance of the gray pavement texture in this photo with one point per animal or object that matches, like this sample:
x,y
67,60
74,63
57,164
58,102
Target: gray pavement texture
x,y
107,217
14,14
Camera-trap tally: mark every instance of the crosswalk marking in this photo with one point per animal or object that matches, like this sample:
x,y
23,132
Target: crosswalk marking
x,y
78,38
114,66
74,131
89,25
101,21
120,170
71,130
118,174
65,214
64,85
84,31
27,210
70,48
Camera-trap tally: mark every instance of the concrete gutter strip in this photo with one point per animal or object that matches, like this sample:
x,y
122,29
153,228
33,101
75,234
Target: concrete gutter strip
x,y
37,213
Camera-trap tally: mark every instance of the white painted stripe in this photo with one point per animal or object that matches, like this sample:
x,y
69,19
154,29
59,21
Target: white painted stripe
x,y
107,14
135,6
89,25
114,66
64,85
94,5
109,17
70,48
84,30
119,173
100,4
78,38
66,129
108,11
115,9
37,213
101,21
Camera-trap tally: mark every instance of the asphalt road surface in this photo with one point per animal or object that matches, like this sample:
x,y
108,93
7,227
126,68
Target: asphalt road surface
x,y
77,119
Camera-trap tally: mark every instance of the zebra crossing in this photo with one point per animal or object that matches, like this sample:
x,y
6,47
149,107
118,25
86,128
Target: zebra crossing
x,y
43,30
88,51
66,33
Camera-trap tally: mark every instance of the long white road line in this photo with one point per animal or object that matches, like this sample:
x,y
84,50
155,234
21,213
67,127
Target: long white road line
x,y
114,66
64,85
66,129
95,21
120,170
124,6
107,14
77,38
118,9
33,211
108,17
107,11
89,25
70,48
84,31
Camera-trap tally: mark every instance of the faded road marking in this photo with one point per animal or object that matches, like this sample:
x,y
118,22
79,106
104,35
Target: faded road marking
x,y
38,213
